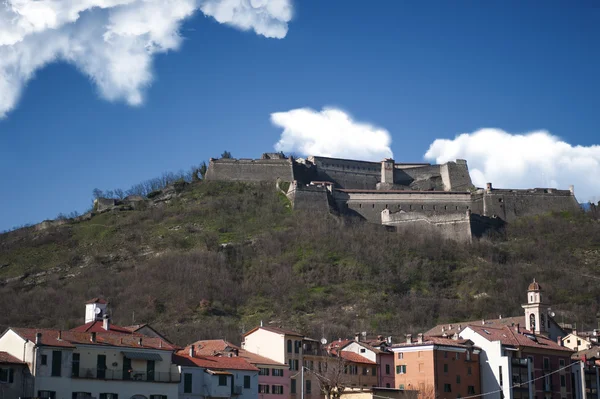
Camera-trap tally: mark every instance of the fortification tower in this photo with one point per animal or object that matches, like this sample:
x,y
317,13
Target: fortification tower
x,y
536,318
387,171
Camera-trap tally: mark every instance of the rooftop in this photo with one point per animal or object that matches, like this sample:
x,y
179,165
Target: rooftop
x,y
450,329
213,362
276,330
427,340
220,347
355,358
522,338
97,326
6,358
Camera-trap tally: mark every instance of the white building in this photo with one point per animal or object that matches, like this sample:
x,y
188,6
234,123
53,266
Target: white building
x,y
204,377
70,365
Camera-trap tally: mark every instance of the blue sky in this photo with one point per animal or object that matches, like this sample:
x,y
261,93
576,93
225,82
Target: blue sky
x,y
422,71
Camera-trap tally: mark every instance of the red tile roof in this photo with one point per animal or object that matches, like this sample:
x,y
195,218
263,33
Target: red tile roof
x,y
450,328
275,330
508,336
97,326
70,339
333,346
459,343
220,347
355,357
6,358
96,300
213,362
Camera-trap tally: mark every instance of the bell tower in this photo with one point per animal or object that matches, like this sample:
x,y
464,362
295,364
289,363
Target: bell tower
x,y
536,318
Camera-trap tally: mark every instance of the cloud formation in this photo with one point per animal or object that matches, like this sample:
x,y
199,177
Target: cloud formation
x,y
535,159
112,41
332,133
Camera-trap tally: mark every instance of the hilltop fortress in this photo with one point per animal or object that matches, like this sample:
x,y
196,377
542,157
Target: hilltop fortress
x,y
403,195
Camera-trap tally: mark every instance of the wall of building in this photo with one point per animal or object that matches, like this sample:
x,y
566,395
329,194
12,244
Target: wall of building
x,y
20,383
347,173
271,380
385,361
251,170
308,197
205,385
455,226
369,205
457,376
456,176
266,343
512,204
420,371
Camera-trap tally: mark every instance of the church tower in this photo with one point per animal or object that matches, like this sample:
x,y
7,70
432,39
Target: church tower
x,y
536,318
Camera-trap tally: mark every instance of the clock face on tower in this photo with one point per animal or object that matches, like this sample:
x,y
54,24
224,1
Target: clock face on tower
x,y
532,321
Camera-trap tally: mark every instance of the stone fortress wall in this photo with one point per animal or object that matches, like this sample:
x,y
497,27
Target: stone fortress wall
x,y
421,195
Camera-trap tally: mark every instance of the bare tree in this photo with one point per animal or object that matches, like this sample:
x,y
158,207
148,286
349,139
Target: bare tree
x,y
428,392
226,155
332,377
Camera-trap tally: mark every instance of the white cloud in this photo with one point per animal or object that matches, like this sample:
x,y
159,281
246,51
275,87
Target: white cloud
x,y
535,159
112,41
331,133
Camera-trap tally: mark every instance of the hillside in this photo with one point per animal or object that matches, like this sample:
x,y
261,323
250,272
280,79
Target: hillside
x,y
218,258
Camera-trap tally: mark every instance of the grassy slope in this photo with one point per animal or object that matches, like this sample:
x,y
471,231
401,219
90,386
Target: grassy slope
x,y
224,256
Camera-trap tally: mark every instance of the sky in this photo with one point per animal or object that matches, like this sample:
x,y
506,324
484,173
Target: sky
x,y
108,93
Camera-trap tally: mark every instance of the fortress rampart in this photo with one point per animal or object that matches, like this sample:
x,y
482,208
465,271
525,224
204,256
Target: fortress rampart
x,y
397,194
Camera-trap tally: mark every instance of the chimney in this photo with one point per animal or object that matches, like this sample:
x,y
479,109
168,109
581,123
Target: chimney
x,y
389,340
443,328
574,332
59,335
500,316
191,350
105,322
459,327
236,352
93,337
559,340
482,321
572,189
488,186
357,337
160,343
517,329
38,338
409,338
140,341
420,338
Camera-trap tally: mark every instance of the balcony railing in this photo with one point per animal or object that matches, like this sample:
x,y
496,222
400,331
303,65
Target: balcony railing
x,y
120,375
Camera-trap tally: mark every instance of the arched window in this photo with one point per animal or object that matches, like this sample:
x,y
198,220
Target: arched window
x,y
289,346
532,321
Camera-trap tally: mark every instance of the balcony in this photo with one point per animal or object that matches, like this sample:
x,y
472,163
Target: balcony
x,y
119,375
519,362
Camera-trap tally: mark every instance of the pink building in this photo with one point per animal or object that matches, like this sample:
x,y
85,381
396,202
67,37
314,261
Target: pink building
x,y
376,352
273,377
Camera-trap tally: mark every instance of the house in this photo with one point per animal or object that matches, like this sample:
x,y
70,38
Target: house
x,y
580,342
273,377
14,377
537,317
375,352
517,363
205,377
586,373
448,368
70,364
291,348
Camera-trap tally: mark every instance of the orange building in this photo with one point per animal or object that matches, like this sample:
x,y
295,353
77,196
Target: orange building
x,y
440,367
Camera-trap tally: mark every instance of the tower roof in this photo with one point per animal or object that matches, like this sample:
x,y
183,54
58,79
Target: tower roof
x,y
534,286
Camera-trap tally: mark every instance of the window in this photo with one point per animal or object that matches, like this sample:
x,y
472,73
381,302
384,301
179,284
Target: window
x,y
297,346
246,382
75,365
308,386
47,394
7,376
262,371
44,362
500,374
101,367
263,388
561,362
421,366
374,371
387,385
56,363
546,363
457,356
277,389
81,395
419,354
401,387
471,389
578,342
155,396
469,370
187,383
445,354
387,369
365,370
289,346
116,396
293,386
293,364
445,367
400,355
563,381
447,388
150,370
222,380
277,373
362,350
458,379
401,369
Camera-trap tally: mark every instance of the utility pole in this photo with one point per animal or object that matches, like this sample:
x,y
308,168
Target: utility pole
x,y
302,381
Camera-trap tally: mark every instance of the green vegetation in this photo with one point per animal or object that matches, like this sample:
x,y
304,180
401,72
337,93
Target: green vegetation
x,y
219,257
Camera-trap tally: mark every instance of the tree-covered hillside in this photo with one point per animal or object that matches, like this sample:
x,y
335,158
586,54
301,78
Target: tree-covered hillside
x,y
218,258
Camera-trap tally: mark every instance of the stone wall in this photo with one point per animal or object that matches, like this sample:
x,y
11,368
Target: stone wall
x,y
452,225
512,204
250,169
369,204
309,197
456,176
347,173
